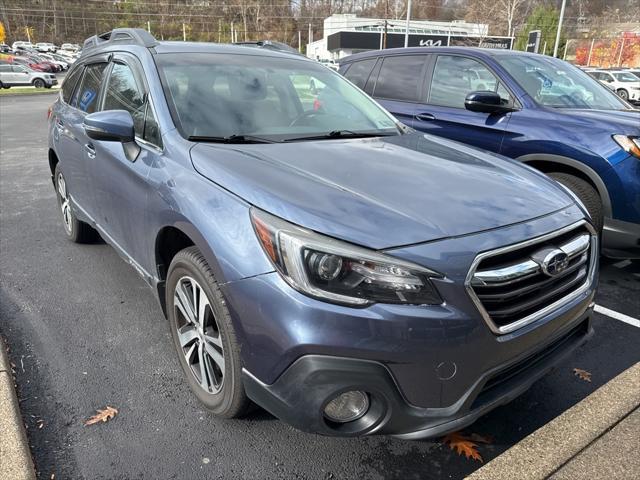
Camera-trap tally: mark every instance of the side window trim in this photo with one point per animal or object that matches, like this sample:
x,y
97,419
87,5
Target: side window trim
x,y
422,76
370,84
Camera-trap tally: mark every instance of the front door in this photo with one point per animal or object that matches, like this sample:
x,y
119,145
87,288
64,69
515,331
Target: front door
x,y
444,113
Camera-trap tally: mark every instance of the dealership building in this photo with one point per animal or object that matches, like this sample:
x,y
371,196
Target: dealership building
x,y
346,34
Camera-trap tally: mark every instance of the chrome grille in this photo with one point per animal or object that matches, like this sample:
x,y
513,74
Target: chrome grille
x,y
516,285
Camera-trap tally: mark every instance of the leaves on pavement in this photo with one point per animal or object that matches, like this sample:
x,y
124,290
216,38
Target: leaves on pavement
x,y
466,445
102,415
582,374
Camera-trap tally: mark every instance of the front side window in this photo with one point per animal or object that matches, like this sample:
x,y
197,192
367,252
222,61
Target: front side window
x,y
359,72
122,93
86,96
282,99
551,82
400,78
455,77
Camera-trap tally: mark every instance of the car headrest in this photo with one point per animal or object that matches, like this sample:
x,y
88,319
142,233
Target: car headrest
x,y
248,85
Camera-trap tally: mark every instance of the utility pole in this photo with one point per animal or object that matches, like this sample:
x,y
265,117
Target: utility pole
x,y
590,51
148,26
384,41
620,54
310,34
184,33
406,31
555,47
299,41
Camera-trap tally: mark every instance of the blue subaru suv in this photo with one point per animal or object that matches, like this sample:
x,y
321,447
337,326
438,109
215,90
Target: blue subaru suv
x,y
536,109
349,275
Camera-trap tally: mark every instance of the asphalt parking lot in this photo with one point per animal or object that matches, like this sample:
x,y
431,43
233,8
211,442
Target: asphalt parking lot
x,y
84,331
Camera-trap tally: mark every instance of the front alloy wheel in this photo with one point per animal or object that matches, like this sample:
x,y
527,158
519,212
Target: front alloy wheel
x,y
199,334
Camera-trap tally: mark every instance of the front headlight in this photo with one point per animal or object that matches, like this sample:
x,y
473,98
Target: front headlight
x,y
629,144
339,272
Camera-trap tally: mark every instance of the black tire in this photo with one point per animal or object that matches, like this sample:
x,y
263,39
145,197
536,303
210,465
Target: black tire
x,y
586,193
38,83
76,230
48,86
623,94
230,400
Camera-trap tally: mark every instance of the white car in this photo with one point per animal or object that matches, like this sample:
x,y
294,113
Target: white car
x,y
21,45
46,47
13,75
70,47
624,83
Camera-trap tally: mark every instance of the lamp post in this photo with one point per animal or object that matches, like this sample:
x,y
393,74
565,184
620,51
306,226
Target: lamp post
x,y
406,32
555,47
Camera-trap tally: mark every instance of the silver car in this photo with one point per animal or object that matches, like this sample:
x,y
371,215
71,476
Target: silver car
x,y
20,76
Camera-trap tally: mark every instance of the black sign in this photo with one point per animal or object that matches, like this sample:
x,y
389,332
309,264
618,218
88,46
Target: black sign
x,y
371,41
533,42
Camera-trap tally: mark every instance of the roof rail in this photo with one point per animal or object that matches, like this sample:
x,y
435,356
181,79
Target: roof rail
x,y
127,36
269,45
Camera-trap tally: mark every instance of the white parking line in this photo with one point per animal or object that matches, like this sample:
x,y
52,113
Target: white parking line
x,y
617,315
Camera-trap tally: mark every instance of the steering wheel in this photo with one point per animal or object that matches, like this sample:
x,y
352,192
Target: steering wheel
x,y
307,114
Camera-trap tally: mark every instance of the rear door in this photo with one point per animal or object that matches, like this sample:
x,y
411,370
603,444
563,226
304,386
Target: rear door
x,y
20,75
399,85
444,113
6,74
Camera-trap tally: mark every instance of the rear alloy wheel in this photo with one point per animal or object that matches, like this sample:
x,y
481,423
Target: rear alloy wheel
x,y
623,94
587,195
77,231
203,335
38,83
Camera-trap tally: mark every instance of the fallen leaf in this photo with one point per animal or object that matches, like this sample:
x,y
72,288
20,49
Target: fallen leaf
x,y
582,374
463,445
102,415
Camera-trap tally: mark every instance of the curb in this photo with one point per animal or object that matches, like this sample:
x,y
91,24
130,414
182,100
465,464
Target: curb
x,y
15,456
550,447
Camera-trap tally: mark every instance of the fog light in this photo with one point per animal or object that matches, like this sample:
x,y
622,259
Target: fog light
x,y
347,407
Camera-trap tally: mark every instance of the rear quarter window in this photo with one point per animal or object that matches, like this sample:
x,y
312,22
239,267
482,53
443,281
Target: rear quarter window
x,y
358,73
69,84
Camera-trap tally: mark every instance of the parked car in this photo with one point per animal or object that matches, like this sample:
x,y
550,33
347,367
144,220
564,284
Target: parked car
x,y
19,76
542,111
29,63
4,48
624,83
64,65
70,47
45,47
635,72
21,45
344,272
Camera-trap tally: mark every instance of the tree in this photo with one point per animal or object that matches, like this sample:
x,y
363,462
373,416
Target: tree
x,y
3,35
543,18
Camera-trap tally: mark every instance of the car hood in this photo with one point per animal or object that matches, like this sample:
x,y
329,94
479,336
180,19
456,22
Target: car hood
x,y
382,192
622,121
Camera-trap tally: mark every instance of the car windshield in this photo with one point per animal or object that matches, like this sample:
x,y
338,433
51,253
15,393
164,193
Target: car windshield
x,y
625,77
557,84
275,98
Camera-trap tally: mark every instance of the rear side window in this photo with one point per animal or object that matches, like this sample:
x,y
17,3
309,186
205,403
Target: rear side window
x,y
5,68
86,96
400,78
69,84
359,72
454,77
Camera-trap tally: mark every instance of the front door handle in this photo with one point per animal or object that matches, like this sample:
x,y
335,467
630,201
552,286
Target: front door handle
x,y
91,151
426,117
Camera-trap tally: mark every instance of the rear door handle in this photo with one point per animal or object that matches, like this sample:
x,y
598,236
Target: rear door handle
x,y
426,117
91,151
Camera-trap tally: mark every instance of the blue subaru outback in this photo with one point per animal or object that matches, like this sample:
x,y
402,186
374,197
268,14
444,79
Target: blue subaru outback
x,y
349,275
536,109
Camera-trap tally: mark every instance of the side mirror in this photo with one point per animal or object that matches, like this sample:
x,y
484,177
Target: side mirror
x,y
485,102
113,126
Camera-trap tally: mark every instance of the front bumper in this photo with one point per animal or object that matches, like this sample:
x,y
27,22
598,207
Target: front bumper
x,y
620,239
304,389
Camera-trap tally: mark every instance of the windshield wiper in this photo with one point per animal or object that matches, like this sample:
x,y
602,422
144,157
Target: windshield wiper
x,y
231,139
341,134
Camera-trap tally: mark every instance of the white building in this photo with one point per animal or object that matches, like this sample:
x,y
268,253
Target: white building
x,y
346,34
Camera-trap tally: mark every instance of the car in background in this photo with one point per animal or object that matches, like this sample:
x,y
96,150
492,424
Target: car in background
x,y
634,71
623,82
539,110
21,45
29,63
70,47
13,75
329,63
64,65
45,47
4,48
339,268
